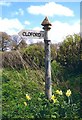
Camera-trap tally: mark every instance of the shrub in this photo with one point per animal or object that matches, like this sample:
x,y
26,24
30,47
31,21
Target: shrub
x,y
12,60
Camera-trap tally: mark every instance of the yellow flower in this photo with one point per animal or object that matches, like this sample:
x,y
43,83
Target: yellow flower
x,y
68,93
54,98
59,92
28,97
25,103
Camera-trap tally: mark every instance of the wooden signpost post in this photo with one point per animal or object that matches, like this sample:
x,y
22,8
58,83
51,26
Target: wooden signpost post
x,y
48,84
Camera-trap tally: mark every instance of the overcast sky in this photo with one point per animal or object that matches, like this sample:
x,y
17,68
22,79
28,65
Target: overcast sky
x,y
64,17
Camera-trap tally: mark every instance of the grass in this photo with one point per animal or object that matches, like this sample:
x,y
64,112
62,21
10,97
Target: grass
x,y
17,83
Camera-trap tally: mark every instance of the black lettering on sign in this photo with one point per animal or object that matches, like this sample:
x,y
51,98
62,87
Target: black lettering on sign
x,y
33,34
24,33
39,34
29,34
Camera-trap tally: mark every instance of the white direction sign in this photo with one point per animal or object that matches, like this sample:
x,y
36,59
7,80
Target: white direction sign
x,y
31,34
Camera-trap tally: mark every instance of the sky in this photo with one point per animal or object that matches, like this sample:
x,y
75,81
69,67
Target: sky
x,y
64,17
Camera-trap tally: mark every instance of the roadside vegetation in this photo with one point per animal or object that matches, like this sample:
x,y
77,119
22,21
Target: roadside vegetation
x,y
22,71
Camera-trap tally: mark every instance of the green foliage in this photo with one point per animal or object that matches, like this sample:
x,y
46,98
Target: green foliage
x,y
69,55
34,53
57,72
40,107
15,85
20,78
65,80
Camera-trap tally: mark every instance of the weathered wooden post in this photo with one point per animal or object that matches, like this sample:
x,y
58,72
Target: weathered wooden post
x,y
48,83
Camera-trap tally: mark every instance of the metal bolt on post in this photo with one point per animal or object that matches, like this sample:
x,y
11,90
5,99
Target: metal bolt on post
x,y
48,84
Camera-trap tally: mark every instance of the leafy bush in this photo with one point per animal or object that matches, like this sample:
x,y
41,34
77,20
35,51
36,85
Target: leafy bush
x,y
57,72
69,53
35,54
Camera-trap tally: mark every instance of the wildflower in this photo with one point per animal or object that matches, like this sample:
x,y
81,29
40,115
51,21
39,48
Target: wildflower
x,y
53,98
68,93
59,92
28,97
25,103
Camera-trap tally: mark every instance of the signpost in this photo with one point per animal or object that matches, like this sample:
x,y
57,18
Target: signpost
x,y
31,34
48,83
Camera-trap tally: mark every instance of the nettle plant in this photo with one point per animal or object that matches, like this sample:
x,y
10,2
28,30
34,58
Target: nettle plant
x,y
59,106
